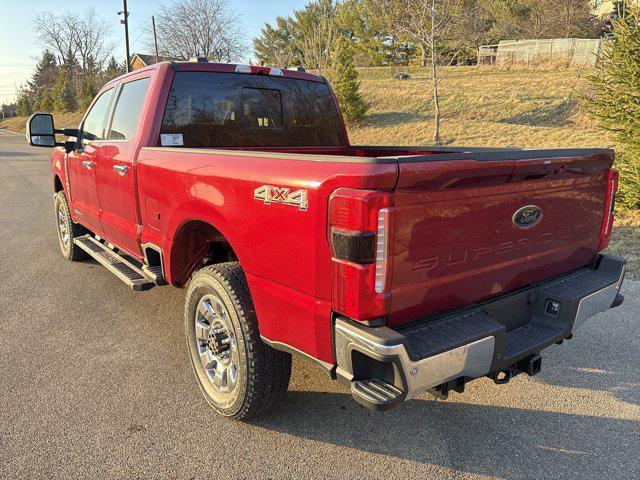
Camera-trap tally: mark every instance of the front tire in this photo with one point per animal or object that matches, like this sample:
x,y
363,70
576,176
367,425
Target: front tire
x,y
237,373
67,230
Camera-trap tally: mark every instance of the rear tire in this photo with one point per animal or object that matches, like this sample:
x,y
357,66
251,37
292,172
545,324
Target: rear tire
x,y
237,373
67,230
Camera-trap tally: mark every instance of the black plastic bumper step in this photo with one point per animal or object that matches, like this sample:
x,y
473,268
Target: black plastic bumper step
x,y
579,284
376,394
431,338
130,274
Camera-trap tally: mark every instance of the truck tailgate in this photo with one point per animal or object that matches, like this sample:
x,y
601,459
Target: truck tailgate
x,y
455,238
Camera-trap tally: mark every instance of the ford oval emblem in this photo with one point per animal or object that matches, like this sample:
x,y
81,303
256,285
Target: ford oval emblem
x,y
527,217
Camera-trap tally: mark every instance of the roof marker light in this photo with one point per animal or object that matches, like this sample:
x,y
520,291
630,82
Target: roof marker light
x,y
277,72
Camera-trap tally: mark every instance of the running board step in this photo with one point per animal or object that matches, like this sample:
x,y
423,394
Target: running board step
x,y
154,273
376,394
121,268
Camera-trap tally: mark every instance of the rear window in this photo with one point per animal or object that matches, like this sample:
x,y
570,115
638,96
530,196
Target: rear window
x,y
207,109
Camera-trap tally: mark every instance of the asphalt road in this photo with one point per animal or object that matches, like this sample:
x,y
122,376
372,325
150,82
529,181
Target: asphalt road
x,y
95,383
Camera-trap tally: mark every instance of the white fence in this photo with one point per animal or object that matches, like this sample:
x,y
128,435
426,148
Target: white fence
x,y
580,50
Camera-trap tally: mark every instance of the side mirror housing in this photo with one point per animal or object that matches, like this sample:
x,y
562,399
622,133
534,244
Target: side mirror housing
x,y
42,133
40,130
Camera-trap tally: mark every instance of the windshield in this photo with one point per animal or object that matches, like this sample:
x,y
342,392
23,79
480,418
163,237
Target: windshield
x,y
208,109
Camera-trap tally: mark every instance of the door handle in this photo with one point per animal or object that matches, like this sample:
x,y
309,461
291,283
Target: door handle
x,y
89,164
121,169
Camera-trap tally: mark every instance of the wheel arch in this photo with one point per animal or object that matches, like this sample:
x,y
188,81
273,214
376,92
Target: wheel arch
x,y
196,242
57,183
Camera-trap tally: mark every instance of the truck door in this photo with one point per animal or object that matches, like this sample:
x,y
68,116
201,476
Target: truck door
x,y
82,163
115,173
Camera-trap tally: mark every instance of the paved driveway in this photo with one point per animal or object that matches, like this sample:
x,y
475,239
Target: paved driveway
x,y
95,383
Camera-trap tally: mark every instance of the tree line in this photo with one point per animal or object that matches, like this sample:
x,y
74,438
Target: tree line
x,y
396,32
74,64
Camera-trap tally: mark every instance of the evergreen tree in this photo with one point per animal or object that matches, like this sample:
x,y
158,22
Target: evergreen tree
x,y
619,9
89,91
616,88
43,82
46,72
113,70
25,103
47,102
346,86
65,93
276,46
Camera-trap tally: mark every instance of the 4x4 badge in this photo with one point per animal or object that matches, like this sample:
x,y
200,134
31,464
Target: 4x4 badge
x,y
270,194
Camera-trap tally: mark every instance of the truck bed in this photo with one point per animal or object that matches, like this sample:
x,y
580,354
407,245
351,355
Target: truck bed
x,y
454,242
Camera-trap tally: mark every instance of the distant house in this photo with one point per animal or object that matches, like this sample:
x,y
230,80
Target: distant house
x,y
141,60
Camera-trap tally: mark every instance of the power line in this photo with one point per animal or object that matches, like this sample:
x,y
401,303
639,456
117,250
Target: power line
x,y
119,44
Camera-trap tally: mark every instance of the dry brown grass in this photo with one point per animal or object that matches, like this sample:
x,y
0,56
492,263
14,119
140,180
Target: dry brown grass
x,y
516,107
625,240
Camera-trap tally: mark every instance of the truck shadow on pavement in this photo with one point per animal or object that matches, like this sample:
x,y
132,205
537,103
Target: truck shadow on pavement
x,y
615,378
603,356
509,443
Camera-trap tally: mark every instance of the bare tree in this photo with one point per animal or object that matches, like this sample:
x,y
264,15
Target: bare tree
x,y
194,28
92,42
75,38
430,25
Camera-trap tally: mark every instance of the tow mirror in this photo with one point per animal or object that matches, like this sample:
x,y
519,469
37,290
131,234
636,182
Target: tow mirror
x,y
42,133
40,130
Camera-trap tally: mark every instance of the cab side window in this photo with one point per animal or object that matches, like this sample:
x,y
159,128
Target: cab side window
x,y
127,111
93,125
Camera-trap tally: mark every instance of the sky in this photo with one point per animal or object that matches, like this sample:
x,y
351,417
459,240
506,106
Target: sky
x,y
18,40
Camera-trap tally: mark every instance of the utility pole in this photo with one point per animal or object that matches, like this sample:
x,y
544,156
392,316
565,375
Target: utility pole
x,y
155,36
125,22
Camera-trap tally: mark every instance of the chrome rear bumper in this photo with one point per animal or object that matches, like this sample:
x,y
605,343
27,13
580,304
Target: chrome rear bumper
x,y
478,342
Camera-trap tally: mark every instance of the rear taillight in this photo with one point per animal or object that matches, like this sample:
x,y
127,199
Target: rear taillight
x,y
360,233
382,250
609,209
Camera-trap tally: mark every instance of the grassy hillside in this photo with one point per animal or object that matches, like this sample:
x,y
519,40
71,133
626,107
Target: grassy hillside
x,y
524,108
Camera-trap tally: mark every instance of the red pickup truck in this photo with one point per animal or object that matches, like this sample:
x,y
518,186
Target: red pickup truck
x,y
398,270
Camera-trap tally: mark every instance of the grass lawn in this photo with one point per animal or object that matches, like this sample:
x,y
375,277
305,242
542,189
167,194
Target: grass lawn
x,y
520,107
523,108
